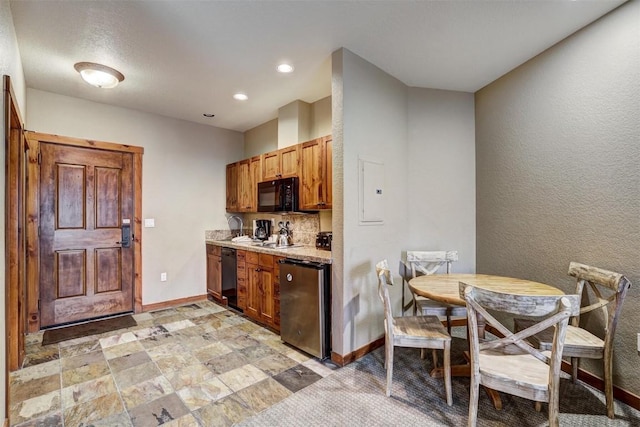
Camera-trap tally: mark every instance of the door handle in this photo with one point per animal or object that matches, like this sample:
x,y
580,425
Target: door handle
x,y
125,241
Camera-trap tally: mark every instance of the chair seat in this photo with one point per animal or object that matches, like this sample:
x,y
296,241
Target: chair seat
x,y
429,307
578,343
515,369
419,332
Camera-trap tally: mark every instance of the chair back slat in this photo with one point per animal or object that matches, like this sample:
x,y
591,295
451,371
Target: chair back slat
x,y
596,280
429,262
384,279
559,307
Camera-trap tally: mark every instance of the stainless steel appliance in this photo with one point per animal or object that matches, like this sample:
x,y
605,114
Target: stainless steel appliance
x,y
305,309
323,240
263,229
280,195
229,276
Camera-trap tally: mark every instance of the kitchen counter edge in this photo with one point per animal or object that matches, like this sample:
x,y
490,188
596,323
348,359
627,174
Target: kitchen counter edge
x,y
304,253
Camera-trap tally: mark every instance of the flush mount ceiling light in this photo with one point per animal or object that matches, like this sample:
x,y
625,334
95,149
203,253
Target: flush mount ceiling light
x,y
99,75
285,68
240,97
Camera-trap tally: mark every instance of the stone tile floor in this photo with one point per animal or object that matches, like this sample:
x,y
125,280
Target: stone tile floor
x,y
193,365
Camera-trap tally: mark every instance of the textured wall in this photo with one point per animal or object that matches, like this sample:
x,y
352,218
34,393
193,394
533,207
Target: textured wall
x,y
558,149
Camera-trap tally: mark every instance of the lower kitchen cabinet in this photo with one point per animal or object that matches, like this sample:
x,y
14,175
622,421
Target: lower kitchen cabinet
x,y
214,273
261,295
241,278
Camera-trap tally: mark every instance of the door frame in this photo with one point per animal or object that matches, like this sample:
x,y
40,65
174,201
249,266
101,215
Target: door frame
x,y
33,215
14,255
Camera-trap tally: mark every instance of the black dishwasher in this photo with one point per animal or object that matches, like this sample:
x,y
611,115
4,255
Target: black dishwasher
x,y
305,307
229,276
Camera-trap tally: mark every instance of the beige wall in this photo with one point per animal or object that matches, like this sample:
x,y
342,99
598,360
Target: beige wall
x,y
441,200
264,138
183,182
425,139
558,149
261,139
11,65
320,118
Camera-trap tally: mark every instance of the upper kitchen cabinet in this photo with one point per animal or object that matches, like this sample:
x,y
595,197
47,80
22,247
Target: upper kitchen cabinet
x,y
316,172
283,163
249,174
232,187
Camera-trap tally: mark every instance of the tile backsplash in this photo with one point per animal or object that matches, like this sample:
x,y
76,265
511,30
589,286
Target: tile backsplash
x,y
304,227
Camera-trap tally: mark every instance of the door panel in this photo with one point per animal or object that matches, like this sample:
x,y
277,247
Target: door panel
x,y
85,196
107,197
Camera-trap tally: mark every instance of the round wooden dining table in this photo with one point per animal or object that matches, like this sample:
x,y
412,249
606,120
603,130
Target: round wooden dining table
x,y
446,288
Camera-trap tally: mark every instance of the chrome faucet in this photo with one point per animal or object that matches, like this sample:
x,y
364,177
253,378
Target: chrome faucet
x,y
237,218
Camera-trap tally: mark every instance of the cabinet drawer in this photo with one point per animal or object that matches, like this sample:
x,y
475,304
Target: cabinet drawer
x,y
265,260
213,250
252,258
241,256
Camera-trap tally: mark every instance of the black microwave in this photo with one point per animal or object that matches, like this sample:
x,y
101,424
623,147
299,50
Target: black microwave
x,y
279,195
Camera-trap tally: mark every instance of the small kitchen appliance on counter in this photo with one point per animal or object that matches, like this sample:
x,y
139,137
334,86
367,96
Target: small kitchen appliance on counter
x,y
262,229
323,240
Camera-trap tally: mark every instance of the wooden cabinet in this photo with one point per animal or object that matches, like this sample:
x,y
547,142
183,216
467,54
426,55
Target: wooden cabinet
x,y
283,163
276,292
241,271
316,172
214,273
232,187
311,161
260,300
249,174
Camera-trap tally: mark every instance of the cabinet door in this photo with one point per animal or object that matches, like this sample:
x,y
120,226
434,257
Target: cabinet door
x,y
255,176
214,272
253,291
267,302
241,274
244,186
270,165
232,187
328,172
290,161
311,179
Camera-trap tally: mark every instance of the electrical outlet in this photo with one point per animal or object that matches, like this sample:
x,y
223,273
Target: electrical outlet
x,y
163,277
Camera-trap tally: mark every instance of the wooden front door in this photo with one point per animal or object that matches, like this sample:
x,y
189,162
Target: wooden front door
x,y
86,195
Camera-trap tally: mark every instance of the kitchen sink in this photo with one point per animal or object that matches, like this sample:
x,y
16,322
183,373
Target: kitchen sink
x,y
272,245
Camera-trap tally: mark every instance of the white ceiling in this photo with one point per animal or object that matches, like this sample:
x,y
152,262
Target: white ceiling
x,y
185,58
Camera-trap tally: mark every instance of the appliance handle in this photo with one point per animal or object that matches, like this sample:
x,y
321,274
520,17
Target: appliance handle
x,y
309,264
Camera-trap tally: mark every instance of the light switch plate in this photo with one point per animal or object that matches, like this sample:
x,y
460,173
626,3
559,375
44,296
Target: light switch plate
x,y
149,222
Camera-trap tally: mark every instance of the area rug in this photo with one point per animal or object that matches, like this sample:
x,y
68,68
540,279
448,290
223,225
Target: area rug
x,y
355,396
95,327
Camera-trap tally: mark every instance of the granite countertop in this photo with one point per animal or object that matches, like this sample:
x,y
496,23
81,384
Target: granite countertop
x,y
305,253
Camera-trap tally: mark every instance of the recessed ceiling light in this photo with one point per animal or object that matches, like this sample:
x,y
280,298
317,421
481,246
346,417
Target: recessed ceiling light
x,y
208,114
285,68
99,75
240,97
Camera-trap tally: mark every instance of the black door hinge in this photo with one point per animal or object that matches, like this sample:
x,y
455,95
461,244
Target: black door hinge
x,y
39,158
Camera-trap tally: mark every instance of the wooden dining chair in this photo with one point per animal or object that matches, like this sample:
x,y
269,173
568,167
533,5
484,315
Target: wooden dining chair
x,y
420,263
411,331
606,290
511,364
